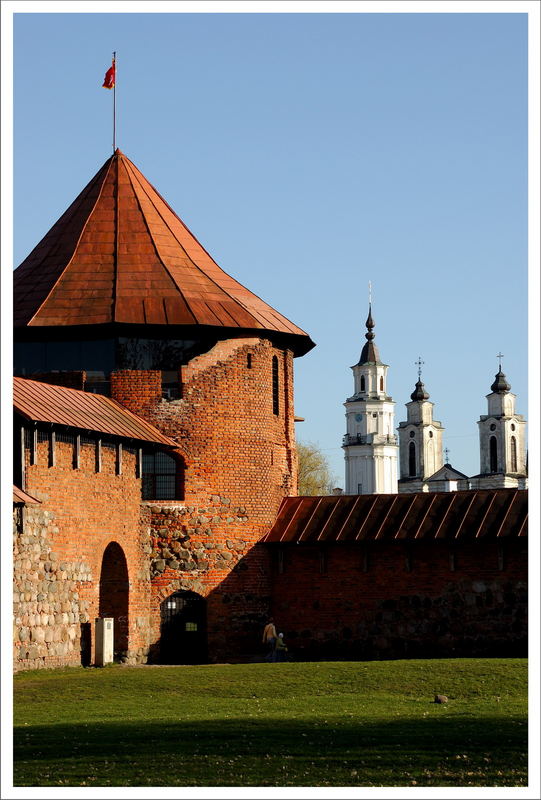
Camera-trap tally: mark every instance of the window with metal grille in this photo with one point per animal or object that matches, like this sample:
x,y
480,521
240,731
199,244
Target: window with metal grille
x,y
275,387
162,477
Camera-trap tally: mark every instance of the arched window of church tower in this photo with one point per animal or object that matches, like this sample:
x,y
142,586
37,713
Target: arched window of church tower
x,y
275,387
411,459
493,446
513,454
363,385
381,383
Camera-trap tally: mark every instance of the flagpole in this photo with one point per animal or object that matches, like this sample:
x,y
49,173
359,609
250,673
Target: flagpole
x,y
114,104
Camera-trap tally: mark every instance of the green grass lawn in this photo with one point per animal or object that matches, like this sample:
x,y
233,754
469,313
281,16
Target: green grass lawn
x,y
293,724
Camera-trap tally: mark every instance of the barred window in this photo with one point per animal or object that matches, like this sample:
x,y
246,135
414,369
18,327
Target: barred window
x,y
162,477
67,438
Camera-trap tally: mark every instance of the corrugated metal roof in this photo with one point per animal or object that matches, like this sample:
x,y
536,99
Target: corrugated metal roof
x,y
42,402
120,254
21,497
487,513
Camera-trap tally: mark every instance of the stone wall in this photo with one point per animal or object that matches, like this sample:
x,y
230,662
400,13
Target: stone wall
x,y
59,551
49,609
402,599
209,550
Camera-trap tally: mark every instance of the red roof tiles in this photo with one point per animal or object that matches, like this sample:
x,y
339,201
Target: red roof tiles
x,y
42,402
21,497
491,513
120,254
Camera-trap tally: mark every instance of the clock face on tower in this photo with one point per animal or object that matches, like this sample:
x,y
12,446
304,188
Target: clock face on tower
x,y
358,417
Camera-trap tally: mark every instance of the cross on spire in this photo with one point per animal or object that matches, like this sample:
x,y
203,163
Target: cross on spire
x,y
499,357
446,451
419,363
370,292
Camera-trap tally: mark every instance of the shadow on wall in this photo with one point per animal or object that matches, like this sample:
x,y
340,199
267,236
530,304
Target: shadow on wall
x,y
224,625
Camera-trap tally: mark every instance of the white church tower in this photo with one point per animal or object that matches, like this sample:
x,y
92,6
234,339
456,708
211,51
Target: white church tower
x,y
421,440
502,440
370,445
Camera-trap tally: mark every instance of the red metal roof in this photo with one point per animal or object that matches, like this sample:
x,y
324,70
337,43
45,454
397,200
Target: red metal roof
x,y
491,513
42,402
21,497
120,254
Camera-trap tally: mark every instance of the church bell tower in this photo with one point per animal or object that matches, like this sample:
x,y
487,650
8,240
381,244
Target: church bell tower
x,y
421,439
502,439
370,445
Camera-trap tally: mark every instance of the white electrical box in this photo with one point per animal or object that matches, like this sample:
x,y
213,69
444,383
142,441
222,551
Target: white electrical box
x,y
104,640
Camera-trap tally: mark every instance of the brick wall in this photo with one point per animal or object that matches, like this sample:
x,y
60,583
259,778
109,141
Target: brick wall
x,y
240,463
59,548
402,600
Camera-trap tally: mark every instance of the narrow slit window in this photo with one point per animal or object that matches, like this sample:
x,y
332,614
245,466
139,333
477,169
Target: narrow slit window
x,y
275,387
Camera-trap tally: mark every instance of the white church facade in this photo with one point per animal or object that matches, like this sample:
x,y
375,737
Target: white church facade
x,y
373,453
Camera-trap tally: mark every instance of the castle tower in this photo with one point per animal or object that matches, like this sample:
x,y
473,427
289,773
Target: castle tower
x,y
370,445
502,441
120,298
421,440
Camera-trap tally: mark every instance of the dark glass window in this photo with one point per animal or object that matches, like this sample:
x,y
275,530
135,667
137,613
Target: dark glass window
x,y
411,459
162,477
493,444
275,387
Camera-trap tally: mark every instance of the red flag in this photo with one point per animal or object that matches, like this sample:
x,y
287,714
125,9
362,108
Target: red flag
x,y
109,82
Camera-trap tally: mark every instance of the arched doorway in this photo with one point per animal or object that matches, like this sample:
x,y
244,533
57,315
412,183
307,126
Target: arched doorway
x,y
114,595
183,635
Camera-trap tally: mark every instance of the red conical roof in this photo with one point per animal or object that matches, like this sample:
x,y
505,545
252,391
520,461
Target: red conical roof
x,y
120,254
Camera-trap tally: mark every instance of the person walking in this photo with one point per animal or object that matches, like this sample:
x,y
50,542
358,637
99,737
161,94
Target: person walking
x,y
269,638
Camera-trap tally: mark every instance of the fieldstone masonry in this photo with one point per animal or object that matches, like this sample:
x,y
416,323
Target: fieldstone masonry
x,y
48,606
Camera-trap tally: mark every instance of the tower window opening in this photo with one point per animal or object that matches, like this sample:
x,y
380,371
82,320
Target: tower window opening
x,y
162,477
513,454
249,360
411,460
275,387
381,383
363,384
493,446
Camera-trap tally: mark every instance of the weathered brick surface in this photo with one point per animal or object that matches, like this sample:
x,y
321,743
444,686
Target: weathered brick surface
x,y
59,549
396,600
240,463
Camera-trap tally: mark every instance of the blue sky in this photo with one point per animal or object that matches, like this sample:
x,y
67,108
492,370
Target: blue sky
x,y
311,153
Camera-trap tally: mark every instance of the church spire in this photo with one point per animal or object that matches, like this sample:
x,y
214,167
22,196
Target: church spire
x,y
370,353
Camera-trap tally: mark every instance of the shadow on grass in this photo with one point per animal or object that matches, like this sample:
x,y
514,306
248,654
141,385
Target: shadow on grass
x,y
437,751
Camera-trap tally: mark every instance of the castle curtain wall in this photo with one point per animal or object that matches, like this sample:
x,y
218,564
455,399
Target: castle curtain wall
x,y
402,599
59,547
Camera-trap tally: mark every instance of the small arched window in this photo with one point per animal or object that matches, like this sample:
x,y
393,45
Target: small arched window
x,y
411,460
275,387
163,477
493,448
513,454
381,383
363,385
